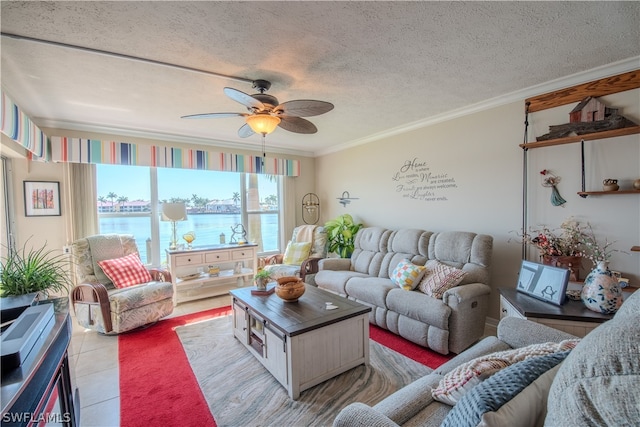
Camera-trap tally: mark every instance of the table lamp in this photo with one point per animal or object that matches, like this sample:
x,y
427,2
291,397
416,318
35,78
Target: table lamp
x,y
174,212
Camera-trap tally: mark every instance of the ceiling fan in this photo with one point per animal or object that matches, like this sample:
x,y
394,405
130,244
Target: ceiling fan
x,y
266,113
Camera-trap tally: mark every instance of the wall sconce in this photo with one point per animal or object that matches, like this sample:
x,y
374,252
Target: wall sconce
x,y
310,208
345,199
174,212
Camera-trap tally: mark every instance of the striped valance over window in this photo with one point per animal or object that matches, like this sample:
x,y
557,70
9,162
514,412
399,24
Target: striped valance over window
x,y
79,150
19,127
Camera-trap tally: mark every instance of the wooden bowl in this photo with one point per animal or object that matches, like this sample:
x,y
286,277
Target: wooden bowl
x,y
290,288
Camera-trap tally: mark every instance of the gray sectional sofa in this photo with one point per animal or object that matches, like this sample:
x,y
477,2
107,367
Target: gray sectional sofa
x,y
596,385
450,324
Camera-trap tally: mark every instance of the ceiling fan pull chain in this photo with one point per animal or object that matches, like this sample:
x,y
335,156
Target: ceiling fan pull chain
x,y
264,154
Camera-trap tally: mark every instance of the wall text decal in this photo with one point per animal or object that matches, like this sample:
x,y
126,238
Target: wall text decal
x,y
416,180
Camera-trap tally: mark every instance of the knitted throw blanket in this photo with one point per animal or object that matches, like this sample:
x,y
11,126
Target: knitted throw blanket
x,y
464,377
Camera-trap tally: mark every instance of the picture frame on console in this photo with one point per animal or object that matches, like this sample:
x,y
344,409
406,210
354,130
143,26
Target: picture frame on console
x,y
544,282
42,198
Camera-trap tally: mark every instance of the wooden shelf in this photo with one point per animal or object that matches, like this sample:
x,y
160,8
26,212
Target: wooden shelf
x,y
599,193
635,248
586,137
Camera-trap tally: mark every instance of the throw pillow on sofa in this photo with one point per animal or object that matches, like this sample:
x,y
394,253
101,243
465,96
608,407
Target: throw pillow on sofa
x,y
407,275
465,377
439,278
497,391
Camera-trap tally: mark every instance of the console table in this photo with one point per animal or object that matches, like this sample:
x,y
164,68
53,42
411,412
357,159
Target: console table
x,y
190,270
302,343
42,391
571,317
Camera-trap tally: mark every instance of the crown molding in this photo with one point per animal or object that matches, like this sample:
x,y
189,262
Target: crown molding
x,y
608,70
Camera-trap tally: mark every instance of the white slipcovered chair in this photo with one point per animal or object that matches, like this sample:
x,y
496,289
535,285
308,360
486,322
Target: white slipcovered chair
x,y
307,246
99,305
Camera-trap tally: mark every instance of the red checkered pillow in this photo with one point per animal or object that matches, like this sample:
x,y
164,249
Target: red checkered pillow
x,y
126,271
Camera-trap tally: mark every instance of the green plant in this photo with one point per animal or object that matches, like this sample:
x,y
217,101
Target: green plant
x,y
30,270
340,235
262,274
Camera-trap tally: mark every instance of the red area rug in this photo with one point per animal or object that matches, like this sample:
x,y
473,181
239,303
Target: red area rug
x,y
158,387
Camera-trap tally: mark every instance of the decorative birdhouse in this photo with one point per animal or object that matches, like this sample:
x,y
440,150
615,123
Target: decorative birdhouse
x,y
590,109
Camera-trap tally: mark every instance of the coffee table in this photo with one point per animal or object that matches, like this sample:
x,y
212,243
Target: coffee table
x,y
302,343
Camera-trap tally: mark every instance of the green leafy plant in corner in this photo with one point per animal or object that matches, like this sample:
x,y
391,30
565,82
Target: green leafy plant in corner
x,y
24,271
341,233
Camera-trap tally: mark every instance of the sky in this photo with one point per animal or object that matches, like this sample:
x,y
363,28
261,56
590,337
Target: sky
x,y
133,182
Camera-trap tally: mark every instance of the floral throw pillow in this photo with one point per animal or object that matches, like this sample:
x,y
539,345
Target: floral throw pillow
x,y
439,278
126,271
407,275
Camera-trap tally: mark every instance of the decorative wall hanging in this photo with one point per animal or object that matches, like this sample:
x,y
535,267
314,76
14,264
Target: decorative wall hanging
x,y
551,180
310,208
41,198
345,199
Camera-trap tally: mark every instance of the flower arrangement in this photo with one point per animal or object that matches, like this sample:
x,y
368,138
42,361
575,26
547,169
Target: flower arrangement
x,y
571,239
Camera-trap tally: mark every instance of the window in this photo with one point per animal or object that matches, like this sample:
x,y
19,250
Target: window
x,y
129,200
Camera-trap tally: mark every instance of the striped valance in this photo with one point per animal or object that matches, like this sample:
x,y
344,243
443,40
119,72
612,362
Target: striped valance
x,y
79,150
19,127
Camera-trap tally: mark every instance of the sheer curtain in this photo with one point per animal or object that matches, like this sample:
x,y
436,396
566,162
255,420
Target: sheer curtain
x,y
288,209
82,202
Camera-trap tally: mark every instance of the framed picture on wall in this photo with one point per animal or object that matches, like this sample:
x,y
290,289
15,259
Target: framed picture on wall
x,y
543,282
41,198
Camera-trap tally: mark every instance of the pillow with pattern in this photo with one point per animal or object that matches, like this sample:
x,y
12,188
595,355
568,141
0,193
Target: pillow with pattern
x,y
440,278
407,275
296,253
126,271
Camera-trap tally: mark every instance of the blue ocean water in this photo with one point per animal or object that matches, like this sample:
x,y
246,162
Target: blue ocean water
x,y
207,228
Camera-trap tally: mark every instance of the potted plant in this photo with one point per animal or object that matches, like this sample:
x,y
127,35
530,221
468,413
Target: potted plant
x,y
261,279
341,233
34,270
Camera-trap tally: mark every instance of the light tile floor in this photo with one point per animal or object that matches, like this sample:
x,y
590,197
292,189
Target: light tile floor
x,y
95,358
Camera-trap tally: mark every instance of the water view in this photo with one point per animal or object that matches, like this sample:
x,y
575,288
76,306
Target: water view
x,y
207,228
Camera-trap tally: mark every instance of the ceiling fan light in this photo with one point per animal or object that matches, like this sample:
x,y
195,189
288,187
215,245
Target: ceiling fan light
x,y
263,123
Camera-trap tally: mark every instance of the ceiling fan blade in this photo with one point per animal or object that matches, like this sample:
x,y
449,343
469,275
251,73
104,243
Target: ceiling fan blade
x,y
212,115
243,98
297,125
245,131
304,107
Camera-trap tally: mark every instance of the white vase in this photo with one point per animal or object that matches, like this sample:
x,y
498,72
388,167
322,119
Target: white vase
x,y
601,292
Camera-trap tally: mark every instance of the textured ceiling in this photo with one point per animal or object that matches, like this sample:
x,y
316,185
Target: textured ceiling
x,y
384,65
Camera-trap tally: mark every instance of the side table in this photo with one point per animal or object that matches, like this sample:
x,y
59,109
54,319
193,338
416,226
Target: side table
x,y
572,317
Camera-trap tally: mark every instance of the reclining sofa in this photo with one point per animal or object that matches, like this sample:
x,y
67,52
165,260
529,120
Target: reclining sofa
x,y
451,323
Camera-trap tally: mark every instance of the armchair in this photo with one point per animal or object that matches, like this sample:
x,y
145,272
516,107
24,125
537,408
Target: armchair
x,y
101,306
295,261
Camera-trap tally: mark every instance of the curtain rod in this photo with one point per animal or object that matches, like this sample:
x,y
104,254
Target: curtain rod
x,y
123,56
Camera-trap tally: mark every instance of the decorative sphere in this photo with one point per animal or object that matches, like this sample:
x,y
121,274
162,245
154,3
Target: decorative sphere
x,y
290,288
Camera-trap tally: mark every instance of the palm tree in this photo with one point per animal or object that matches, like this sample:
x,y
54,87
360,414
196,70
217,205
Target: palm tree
x,y
112,196
121,200
236,197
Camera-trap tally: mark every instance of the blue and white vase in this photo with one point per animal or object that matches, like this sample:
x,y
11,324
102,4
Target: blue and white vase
x,y
601,292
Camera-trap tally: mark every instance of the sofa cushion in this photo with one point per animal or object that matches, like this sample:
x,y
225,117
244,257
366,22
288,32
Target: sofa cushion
x,y
125,271
465,377
418,306
372,290
493,393
407,275
599,381
335,281
439,278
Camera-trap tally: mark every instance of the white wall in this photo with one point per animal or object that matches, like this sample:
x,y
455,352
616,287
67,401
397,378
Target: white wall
x,y
480,153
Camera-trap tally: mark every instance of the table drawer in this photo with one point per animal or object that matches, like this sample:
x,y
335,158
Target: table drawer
x,y
217,256
192,259
242,254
